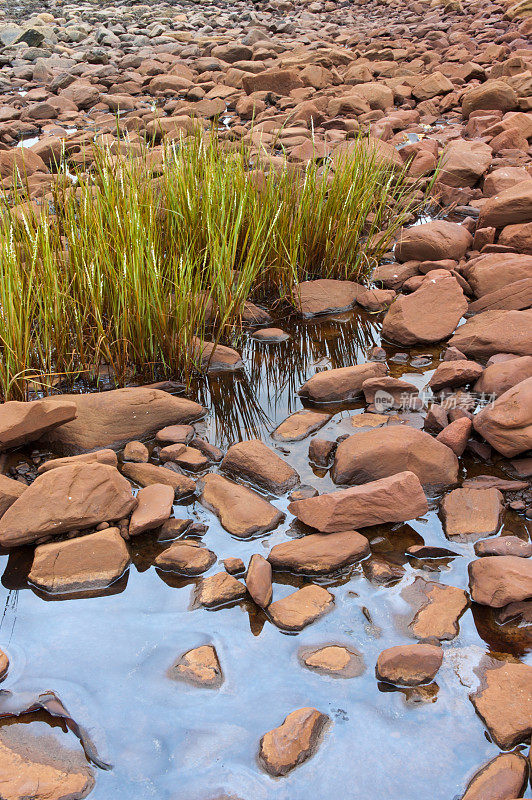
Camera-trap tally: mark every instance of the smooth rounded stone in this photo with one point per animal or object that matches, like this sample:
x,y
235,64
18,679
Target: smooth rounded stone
x,y
218,589
4,665
383,452
300,425
38,767
217,358
199,666
463,162
241,512
428,315
186,457
254,315
303,493
387,393
136,451
456,435
259,580
91,562
111,419
502,778
296,740
503,701
319,554
325,296
409,664
491,95
154,507
175,434
344,383
10,490
470,512
65,499
507,423
270,335
504,546
321,452
433,241
438,608
495,332
497,378
148,474
334,660
233,565
510,206
498,580
396,498
299,609
454,373
187,557
98,457
21,423
257,463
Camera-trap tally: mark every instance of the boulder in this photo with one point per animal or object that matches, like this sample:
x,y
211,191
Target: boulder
x,y
515,296
185,556
325,296
393,499
341,384
20,161
241,512
21,423
387,392
293,742
428,315
214,357
504,546
409,664
502,778
507,423
319,554
454,373
149,474
494,271
255,462
512,205
433,241
88,562
432,85
464,163
299,609
495,332
456,435
300,425
496,581
334,660
503,701
66,499
133,451
199,666
154,507
437,609
219,589
517,237
381,452
10,490
278,81
259,580
499,377
110,419
98,457
491,95
471,513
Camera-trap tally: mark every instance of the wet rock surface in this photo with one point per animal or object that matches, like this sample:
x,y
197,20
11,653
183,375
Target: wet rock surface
x,y
293,742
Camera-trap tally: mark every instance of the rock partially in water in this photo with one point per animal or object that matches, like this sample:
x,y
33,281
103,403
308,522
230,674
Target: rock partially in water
x,y
4,665
334,660
507,423
396,498
271,335
502,778
498,580
495,332
240,511
148,474
433,241
400,392
257,463
199,666
504,701
409,664
175,434
456,435
187,557
65,499
136,451
259,580
293,742
383,452
319,554
325,296
234,566
299,609
300,425
504,546
154,507
216,590
438,608
341,384
10,490
21,423
471,513
98,457
455,373
217,357
189,458
90,562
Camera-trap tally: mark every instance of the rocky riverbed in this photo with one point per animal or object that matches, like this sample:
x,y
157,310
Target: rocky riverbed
x,y
312,570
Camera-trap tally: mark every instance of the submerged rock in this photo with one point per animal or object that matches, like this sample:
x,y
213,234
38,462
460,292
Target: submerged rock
x,y
256,462
293,742
503,701
21,423
409,664
319,554
240,511
199,666
299,609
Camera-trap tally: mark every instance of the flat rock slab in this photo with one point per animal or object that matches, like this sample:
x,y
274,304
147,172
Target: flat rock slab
x,y
257,463
495,332
504,546
382,452
507,423
325,296
503,777
111,419
503,701
299,609
98,457
437,609
241,512
219,589
471,513
154,507
91,562
334,660
21,423
259,580
319,554
396,498
498,580
187,557
342,384
149,474
300,425
65,499
199,666
409,664
293,742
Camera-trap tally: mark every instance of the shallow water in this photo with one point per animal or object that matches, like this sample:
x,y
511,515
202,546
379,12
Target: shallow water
x,y
106,657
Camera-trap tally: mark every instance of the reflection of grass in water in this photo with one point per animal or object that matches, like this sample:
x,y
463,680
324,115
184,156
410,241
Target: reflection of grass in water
x,y
122,269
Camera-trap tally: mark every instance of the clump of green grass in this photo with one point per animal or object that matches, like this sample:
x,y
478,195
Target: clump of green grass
x,y
144,255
